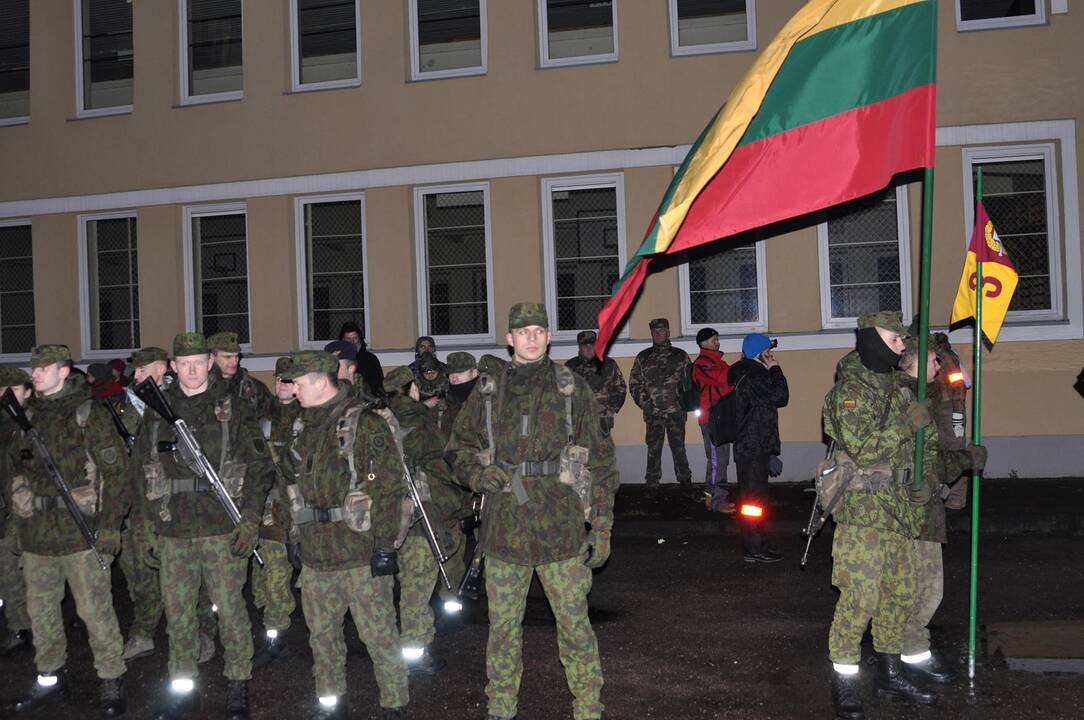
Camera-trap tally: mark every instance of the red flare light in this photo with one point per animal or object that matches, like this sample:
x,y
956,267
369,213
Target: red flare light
x,y
956,377
753,511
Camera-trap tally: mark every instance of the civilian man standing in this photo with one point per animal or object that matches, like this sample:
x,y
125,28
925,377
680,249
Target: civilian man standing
x,y
710,374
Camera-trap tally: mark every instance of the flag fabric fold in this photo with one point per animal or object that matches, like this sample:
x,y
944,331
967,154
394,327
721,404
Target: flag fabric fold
x,y
999,278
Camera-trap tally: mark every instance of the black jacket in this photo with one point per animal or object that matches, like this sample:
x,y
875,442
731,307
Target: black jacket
x,y
760,393
371,372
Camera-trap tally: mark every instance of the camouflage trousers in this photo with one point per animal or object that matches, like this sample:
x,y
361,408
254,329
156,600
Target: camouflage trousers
x,y
45,577
566,583
874,571
272,585
12,585
417,578
326,595
455,567
671,428
186,563
929,589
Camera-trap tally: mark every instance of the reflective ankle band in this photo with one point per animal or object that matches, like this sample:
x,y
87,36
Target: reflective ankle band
x,y
272,634
47,680
914,659
182,685
845,669
329,701
413,653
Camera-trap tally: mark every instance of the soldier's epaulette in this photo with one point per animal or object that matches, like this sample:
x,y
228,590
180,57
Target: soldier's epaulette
x,y
487,384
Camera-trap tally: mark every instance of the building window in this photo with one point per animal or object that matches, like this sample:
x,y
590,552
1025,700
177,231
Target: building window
x,y
575,32
216,257
583,220
992,14
16,288
331,251
211,45
698,27
725,289
447,38
865,258
454,251
14,62
326,37
104,78
1020,197
109,275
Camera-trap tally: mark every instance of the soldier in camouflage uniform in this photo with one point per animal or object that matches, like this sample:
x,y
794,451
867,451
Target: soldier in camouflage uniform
x,y
344,494
653,384
187,530
603,377
82,442
227,356
12,586
544,468
872,422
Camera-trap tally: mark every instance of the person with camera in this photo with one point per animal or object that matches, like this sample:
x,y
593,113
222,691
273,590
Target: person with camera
x,y
710,373
761,389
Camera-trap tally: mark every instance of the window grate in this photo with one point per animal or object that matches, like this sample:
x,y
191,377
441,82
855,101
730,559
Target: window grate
x,y
17,334
335,267
220,263
456,263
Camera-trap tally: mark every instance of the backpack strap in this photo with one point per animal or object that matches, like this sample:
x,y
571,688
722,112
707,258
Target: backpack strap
x,y
487,386
566,385
82,413
224,413
346,429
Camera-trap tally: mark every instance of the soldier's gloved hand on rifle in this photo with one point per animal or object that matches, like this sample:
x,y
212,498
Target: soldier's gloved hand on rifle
x,y
384,562
918,414
598,542
493,478
244,538
978,457
148,548
108,542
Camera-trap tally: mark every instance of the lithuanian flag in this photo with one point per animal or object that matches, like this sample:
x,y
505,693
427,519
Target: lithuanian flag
x,y
840,101
999,278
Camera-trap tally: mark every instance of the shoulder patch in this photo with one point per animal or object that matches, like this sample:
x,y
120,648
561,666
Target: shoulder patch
x,y
850,404
377,442
109,455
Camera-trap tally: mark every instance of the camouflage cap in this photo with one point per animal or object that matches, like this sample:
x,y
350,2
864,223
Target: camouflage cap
x,y
145,356
528,313
309,361
281,365
189,343
44,355
461,362
343,350
659,323
887,319
11,375
586,337
224,342
491,364
398,378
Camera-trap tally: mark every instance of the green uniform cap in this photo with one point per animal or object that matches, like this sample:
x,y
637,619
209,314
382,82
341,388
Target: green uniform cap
x,y
526,314
44,355
887,319
586,337
282,364
461,362
11,375
659,323
398,378
491,364
145,356
224,342
310,361
189,343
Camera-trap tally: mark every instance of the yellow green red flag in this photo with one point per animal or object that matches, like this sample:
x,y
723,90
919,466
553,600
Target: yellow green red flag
x,y
999,278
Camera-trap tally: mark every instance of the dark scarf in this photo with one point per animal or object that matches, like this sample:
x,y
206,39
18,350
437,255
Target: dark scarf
x,y
462,391
874,353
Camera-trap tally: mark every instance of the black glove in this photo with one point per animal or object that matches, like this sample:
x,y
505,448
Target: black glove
x,y
384,562
293,554
775,466
978,457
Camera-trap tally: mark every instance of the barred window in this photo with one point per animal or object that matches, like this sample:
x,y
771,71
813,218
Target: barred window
x,y
990,14
14,61
112,286
454,247
212,44
334,257
220,273
105,53
326,42
577,31
584,243
863,247
725,287
16,289
448,38
706,26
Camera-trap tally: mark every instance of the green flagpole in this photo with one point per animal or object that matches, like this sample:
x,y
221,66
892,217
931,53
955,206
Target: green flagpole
x,y
976,439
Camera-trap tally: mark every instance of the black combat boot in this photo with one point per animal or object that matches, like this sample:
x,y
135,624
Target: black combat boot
x,y
18,640
392,713
237,699
428,664
48,688
114,698
273,649
890,682
933,669
845,697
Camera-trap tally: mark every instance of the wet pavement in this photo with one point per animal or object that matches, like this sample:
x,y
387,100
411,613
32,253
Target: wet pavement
x,y
687,630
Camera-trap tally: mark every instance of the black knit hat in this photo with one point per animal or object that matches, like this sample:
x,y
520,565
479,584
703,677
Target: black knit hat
x,y
705,334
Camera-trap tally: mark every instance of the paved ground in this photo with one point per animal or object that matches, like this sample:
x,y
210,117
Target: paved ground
x,y
687,630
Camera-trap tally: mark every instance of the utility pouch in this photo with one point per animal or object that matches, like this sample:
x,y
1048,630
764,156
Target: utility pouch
x,y
86,499
575,473
268,518
157,485
232,475
297,501
485,457
357,511
421,481
834,474
22,497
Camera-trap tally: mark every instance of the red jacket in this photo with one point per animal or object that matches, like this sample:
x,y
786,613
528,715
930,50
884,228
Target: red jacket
x,y
710,375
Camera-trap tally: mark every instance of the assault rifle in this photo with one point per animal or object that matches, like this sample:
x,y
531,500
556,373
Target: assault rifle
x,y
122,430
471,584
41,452
816,523
189,449
427,527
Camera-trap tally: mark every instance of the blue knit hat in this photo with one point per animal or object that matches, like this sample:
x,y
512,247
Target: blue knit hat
x,y
754,344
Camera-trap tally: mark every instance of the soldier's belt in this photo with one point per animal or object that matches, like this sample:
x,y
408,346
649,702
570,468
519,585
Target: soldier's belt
x,y
48,502
188,485
539,468
318,515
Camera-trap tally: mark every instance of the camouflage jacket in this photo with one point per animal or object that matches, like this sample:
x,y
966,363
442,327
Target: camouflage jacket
x,y
7,437
278,429
322,472
656,378
605,380
211,416
252,391
951,462
85,453
529,425
866,414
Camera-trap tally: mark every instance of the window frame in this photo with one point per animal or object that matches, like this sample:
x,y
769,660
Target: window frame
x,y
544,60
189,213
1046,152
416,74
303,272
726,329
19,222
186,97
81,111
750,43
903,232
1039,18
86,334
21,119
549,185
421,264
295,55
